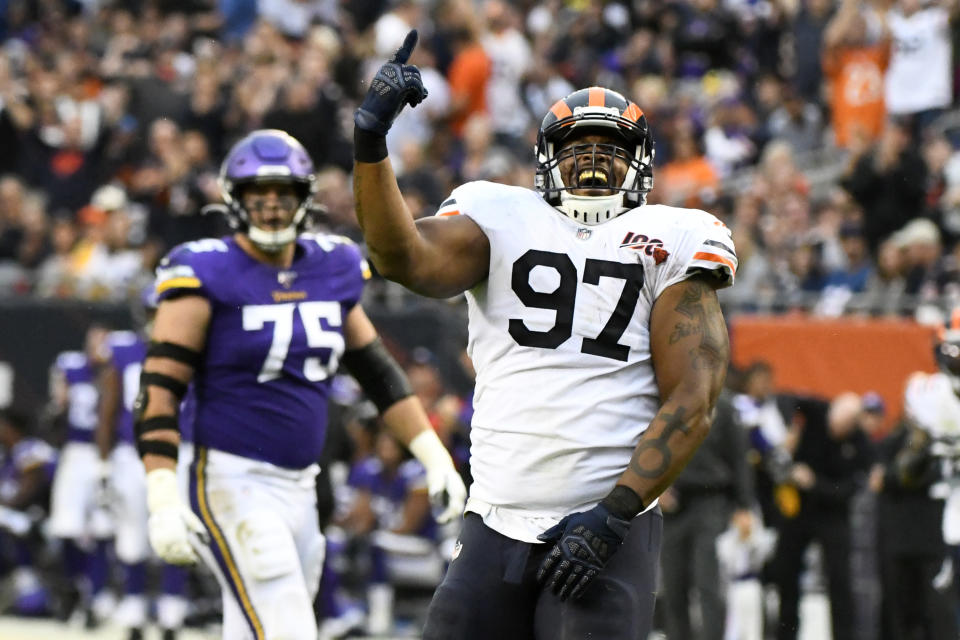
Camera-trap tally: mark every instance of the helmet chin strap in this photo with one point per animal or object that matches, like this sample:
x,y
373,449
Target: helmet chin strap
x,y
591,210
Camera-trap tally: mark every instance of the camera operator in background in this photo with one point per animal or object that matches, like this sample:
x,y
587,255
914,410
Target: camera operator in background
x,y
830,463
918,593
765,416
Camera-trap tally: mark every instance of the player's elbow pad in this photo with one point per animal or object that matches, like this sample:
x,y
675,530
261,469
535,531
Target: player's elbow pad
x,y
378,374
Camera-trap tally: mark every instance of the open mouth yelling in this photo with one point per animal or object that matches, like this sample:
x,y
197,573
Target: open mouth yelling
x,y
593,178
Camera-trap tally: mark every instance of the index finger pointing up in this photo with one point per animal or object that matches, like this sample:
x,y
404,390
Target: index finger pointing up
x,y
403,53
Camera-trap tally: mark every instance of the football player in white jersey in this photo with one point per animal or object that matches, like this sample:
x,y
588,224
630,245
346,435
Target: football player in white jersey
x,y
599,347
932,408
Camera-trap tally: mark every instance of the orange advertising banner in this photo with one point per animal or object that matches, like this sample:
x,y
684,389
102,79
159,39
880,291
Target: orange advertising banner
x,y
829,356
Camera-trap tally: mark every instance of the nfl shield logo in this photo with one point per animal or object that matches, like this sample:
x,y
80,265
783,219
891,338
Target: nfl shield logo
x,y
584,234
286,278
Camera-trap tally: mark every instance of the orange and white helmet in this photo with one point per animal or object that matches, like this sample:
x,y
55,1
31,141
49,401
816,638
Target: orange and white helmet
x,y
604,111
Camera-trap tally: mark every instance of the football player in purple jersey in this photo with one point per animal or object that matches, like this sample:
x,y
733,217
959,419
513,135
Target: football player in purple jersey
x,y
259,321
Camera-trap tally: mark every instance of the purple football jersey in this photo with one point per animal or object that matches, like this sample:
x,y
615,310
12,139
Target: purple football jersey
x,y
274,342
127,351
188,413
26,455
75,370
389,490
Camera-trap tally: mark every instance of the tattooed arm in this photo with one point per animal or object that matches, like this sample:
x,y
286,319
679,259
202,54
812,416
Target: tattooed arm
x,y
435,257
690,349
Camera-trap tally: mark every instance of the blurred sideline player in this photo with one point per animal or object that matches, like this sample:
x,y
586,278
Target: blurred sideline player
x,y
932,409
78,514
26,471
124,478
259,322
599,347
390,504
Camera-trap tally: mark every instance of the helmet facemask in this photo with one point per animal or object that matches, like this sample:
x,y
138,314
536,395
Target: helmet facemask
x,y
267,156
628,142
268,241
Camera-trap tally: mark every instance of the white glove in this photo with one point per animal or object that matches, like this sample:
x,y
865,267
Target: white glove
x,y
171,522
447,493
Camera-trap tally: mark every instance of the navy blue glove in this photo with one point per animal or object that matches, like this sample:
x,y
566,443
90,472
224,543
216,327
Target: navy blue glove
x,y
395,85
584,543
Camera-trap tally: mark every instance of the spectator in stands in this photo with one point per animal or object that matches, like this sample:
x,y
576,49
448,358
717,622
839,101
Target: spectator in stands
x,y
510,58
55,273
729,141
809,22
713,490
705,29
853,277
886,287
416,126
688,179
855,64
830,461
798,122
470,71
889,182
919,80
919,240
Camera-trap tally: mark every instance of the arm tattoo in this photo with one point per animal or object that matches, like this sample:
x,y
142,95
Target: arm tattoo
x,y
683,329
711,353
661,461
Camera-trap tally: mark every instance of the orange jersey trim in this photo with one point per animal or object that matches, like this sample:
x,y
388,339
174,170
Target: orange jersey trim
x,y
712,257
455,212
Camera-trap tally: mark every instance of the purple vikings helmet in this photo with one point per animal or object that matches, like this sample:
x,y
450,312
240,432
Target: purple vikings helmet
x,y
267,155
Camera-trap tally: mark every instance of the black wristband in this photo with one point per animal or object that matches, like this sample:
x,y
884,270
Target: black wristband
x,y
623,502
368,146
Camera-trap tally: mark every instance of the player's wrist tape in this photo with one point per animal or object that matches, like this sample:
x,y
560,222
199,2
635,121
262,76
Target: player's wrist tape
x,y
157,448
368,146
162,489
156,423
378,374
173,351
427,448
623,502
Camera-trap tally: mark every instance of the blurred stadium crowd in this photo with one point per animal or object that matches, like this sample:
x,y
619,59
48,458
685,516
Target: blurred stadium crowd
x,y
823,133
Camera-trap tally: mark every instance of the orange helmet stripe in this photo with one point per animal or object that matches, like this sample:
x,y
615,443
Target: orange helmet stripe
x,y
597,97
561,109
633,112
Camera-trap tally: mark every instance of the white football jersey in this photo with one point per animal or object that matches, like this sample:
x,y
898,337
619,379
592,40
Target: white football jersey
x,y
931,403
559,337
